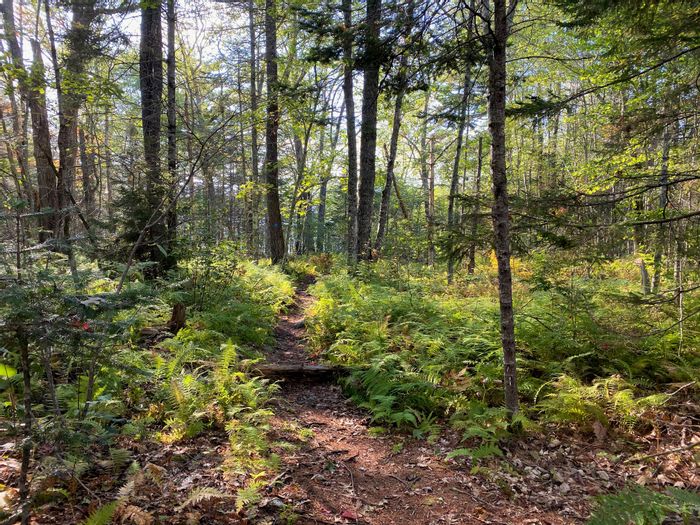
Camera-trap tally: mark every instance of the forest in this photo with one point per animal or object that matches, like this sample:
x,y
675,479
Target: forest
x,y
350,261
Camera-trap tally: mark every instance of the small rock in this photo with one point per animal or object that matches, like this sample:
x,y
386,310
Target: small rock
x,y
554,443
276,503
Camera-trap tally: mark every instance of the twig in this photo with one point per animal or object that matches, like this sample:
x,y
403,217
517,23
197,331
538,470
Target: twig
x,y
679,389
278,478
402,481
473,496
352,478
664,453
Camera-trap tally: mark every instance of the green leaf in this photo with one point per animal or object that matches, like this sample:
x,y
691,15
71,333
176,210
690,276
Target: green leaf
x,y
6,371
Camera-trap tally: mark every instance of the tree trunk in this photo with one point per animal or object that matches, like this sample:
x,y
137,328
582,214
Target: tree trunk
x,y
108,166
151,86
32,89
348,68
500,211
639,248
425,181
395,128
17,149
663,204
171,218
326,177
391,162
274,216
254,150
454,182
475,214
368,141
87,168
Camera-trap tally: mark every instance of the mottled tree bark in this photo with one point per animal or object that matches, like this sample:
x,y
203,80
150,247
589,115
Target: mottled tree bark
x,y
471,264
171,218
253,201
274,216
89,174
151,86
348,68
425,181
500,211
29,83
368,141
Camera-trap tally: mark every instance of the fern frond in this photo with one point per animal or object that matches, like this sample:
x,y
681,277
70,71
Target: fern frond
x,y
103,515
201,494
642,506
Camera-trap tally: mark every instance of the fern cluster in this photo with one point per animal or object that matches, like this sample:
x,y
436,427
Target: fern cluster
x,y
423,351
639,505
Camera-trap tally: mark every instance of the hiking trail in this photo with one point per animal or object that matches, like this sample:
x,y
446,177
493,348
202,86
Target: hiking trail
x,y
341,473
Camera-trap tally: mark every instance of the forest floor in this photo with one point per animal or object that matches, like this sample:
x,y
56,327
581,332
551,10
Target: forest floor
x,y
335,468
345,473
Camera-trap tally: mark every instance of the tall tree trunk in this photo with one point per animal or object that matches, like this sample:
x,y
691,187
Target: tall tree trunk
x,y
663,204
325,178
17,148
108,165
395,128
274,216
462,126
71,95
391,162
32,89
475,214
425,179
368,141
89,173
255,175
151,86
639,247
348,68
501,217
300,195
248,214
171,217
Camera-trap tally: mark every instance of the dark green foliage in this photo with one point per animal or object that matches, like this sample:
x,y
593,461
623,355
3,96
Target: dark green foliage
x,y
639,505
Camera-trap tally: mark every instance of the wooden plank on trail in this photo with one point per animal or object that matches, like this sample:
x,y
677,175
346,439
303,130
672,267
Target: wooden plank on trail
x,y
298,371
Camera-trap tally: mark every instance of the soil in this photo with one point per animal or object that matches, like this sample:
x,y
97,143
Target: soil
x,y
335,468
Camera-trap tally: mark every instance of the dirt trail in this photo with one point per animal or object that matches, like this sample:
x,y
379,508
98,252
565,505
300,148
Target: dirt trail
x,y
340,473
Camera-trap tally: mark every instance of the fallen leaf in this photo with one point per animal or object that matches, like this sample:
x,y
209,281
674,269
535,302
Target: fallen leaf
x,y
349,515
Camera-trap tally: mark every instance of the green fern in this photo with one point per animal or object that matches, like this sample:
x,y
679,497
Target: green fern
x,y
250,494
103,515
642,506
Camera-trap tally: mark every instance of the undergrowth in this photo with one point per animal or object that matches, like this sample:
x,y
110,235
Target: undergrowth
x,y
424,352
123,386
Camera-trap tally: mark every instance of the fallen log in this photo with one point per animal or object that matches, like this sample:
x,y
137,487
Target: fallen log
x,y
299,371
